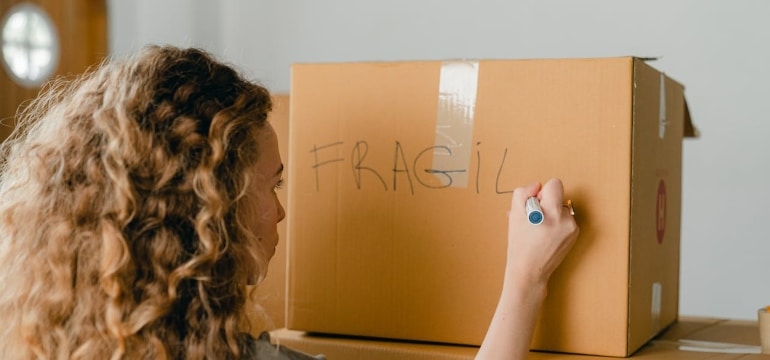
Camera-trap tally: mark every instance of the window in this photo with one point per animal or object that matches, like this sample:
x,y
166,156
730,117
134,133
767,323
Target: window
x,y
30,45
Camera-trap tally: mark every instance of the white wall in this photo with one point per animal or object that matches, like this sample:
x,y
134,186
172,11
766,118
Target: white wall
x,y
720,50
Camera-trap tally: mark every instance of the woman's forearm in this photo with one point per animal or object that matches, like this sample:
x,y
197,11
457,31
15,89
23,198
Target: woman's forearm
x,y
513,324
534,252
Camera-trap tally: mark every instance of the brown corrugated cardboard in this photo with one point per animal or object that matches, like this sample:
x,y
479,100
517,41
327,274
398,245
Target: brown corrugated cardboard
x,y
401,179
714,337
342,348
269,299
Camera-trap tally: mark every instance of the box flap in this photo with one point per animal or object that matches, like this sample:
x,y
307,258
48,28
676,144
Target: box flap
x,y
690,131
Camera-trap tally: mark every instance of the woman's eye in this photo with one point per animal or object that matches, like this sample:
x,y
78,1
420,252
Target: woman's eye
x,y
280,184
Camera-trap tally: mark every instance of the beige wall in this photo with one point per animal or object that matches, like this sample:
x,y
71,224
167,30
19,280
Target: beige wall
x,y
713,47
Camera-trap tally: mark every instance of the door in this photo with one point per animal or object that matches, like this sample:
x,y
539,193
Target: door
x,y
31,54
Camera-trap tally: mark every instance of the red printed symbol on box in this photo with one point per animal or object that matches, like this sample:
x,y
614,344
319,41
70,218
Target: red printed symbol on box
x,y
660,211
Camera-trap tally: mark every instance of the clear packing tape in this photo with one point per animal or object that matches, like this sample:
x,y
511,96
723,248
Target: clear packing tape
x,y
711,336
455,118
705,346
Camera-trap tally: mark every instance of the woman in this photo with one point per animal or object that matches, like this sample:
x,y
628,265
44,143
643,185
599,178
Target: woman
x,y
137,204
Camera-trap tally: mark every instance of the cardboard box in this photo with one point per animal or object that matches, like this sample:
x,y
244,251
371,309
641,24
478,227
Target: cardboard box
x,y
352,348
402,175
687,339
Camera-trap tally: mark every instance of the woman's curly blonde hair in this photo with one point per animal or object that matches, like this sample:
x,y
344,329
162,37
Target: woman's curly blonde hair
x,y
119,199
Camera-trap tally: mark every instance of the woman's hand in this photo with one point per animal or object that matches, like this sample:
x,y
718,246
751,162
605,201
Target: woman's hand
x,y
534,252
